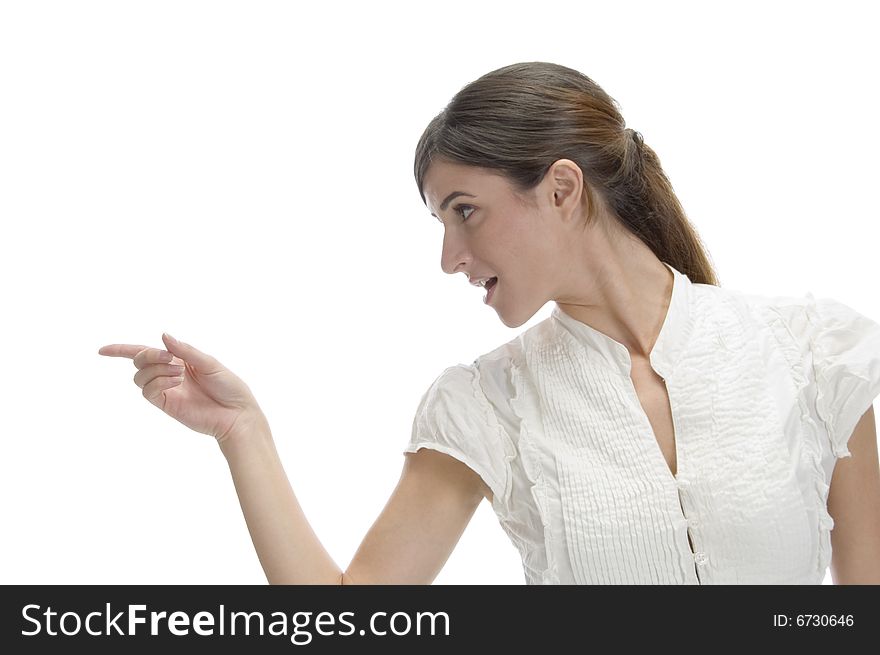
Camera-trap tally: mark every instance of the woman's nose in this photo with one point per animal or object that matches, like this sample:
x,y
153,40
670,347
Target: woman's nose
x,y
454,254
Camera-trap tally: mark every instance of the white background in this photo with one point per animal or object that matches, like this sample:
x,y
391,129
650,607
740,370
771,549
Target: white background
x,y
239,174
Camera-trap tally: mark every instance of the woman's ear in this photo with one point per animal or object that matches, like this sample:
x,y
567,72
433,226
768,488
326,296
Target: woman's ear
x,y
566,184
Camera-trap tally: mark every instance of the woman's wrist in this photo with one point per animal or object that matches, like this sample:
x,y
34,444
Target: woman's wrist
x,y
249,428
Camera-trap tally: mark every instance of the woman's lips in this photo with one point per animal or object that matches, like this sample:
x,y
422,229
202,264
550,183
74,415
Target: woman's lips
x,y
490,290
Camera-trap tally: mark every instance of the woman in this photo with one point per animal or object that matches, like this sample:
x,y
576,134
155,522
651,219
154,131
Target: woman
x,y
656,428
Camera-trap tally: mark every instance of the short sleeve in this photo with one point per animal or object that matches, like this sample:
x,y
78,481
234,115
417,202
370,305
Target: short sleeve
x,y
454,417
846,362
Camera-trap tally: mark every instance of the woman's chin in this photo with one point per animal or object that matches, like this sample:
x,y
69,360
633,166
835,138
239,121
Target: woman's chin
x,y
512,321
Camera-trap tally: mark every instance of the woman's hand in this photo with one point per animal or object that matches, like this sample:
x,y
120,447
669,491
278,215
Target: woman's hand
x,y
192,387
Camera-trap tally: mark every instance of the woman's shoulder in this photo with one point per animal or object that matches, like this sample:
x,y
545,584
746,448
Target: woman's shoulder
x,y
499,360
832,332
491,372
802,317
709,295
769,310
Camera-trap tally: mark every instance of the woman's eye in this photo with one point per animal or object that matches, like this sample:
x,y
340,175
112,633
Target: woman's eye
x,y
459,209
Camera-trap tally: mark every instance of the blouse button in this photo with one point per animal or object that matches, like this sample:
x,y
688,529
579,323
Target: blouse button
x,y
683,483
700,558
693,523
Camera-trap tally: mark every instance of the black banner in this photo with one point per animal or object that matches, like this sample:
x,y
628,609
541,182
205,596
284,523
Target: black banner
x,y
44,619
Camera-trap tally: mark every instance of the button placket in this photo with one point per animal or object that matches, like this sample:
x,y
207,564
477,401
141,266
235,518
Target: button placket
x,y
683,484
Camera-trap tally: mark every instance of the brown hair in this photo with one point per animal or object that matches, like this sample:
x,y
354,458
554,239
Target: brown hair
x,y
518,120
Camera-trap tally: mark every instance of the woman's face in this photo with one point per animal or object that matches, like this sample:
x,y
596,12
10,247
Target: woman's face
x,y
490,231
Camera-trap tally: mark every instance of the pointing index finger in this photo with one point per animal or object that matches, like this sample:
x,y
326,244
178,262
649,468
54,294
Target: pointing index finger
x,y
120,350
131,350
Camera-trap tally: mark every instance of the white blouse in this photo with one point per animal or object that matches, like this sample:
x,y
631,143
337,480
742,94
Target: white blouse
x,y
764,393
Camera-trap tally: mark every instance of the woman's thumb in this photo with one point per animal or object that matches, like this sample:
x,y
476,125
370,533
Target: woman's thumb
x,y
196,358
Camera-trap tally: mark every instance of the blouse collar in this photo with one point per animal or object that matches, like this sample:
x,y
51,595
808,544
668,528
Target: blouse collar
x,y
670,343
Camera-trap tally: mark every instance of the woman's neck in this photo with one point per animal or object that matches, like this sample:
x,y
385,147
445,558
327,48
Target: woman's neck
x,y
619,288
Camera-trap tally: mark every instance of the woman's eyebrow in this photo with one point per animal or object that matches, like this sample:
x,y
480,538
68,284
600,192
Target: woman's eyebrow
x,y
452,196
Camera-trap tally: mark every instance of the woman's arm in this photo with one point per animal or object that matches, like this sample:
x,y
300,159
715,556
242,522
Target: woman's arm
x,y
408,544
854,504
421,523
288,549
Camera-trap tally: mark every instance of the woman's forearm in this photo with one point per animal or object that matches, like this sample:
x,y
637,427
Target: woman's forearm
x,y
286,545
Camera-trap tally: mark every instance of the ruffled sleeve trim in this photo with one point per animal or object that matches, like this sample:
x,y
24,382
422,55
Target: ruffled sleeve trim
x,y
796,351
501,442
541,566
846,365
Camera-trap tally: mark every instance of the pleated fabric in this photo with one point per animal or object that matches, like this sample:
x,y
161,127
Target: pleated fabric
x,y
764,392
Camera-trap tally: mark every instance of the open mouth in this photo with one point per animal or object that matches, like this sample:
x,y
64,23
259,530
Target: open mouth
x,y
490,289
